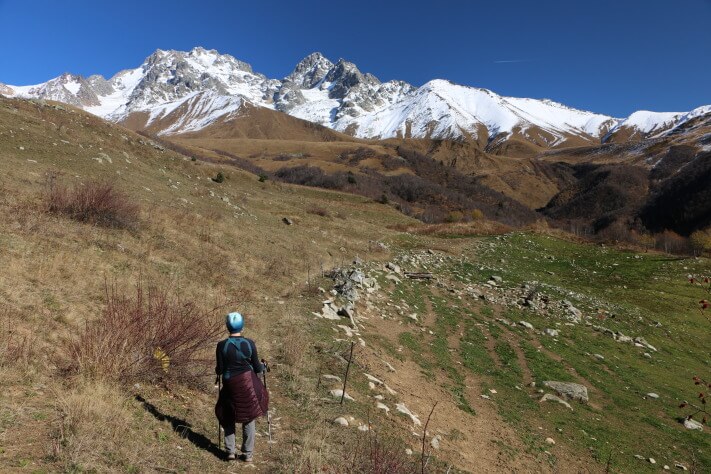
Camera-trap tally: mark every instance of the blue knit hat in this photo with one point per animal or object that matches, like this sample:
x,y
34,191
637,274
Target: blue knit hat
x,y
234,322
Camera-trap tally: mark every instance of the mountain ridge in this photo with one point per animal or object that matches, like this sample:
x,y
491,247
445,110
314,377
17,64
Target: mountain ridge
x,y
212,87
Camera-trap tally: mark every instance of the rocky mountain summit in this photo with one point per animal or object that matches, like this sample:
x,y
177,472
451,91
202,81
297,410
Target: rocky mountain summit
x,y
187,91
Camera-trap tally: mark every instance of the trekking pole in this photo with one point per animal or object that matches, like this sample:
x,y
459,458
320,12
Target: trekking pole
x,y
269,415
219,433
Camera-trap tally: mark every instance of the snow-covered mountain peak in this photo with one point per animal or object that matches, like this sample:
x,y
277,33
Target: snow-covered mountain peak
x,y
188,90
310,71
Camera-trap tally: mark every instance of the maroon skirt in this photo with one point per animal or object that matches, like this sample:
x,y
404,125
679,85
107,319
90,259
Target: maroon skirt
x,y
242,399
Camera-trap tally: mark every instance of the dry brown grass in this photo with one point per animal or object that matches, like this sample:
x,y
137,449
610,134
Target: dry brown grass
x,y
208,242
93,420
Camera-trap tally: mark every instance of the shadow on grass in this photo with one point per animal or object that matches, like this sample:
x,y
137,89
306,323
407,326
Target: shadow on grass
x,y
183,428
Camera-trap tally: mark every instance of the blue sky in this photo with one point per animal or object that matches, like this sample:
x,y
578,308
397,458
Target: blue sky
x,y
612,57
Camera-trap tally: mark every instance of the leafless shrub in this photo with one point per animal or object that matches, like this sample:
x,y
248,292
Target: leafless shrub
x,y
152,335
96,203
318,211
376,454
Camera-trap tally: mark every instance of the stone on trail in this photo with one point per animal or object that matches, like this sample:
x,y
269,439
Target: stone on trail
x,y
570,390
526,324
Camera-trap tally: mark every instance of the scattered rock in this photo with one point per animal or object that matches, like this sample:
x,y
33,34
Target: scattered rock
x,y
393,278
435,441
408,451
693,425
373,379
652,395
679,465
340,421
570,390
526,324
552,398
496,278
550,441
287,221
393,267
363,428
334,378
406,411
599,356
383,407
652,461
551,332
338,393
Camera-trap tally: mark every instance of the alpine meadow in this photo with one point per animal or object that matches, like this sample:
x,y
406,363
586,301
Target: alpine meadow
x,y
207,269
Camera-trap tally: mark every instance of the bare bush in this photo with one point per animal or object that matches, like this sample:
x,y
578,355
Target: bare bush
x,y
377,454
318,211
152,335
96,203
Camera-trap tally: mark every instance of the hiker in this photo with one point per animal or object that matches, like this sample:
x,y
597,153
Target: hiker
x,y
243,397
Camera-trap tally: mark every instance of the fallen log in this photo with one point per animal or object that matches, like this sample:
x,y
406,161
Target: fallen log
x,y
419,276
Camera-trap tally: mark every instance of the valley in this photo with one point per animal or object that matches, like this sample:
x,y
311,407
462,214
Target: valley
x,y
623,322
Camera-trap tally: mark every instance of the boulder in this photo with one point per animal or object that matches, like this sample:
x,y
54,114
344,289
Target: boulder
x,y
569,390
526,324
551,332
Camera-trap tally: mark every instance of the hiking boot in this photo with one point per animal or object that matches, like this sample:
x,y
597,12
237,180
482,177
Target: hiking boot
x,y
231,456
247,458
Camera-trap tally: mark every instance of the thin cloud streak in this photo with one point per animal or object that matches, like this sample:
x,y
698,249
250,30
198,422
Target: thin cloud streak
x,y
509,61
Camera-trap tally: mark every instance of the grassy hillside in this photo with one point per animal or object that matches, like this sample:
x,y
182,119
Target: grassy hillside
x,y
416,342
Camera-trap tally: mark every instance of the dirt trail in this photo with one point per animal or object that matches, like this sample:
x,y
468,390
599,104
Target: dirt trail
x,y
481,443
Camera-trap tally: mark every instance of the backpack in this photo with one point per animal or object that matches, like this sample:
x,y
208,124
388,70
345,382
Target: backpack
x,y
236,342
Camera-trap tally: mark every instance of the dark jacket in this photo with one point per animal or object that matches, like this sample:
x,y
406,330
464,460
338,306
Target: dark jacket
x,y
243,396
